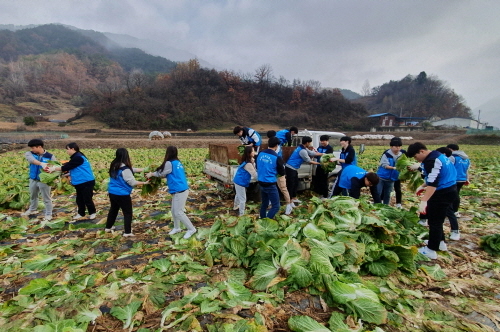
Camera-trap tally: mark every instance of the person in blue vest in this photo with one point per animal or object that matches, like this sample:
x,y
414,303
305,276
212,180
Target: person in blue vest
x,y
352,179
300,155
462,164
281,181
269,167
285,136
320,178
173,170
248,137
439,190
244,175
387,169
82,178
38,158
347,154
121,183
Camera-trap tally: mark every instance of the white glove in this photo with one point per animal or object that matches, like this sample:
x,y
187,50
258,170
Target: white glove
x,y
44,165
420,190
414,167
51,169
422,207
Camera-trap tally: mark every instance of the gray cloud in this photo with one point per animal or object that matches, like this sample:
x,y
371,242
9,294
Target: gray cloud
x,y
339,43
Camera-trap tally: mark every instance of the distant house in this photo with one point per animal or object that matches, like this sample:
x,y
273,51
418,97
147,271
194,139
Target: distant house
x,y
459,123
391,122
385,119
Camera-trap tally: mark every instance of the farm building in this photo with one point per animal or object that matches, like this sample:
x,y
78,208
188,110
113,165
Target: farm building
x,y
459,122
392,122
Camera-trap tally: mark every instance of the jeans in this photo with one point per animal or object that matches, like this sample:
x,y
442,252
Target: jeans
x,y
269,194
84,194
123,202
437,207
385,188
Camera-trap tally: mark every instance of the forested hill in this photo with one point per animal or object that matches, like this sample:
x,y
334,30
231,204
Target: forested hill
x,y
92,45
417,96
129,89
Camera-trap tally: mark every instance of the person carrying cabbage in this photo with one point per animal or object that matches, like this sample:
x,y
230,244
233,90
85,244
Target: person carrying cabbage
x,y
38,159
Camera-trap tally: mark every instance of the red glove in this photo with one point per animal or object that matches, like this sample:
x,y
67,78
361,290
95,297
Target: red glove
x,y
466,183
420,190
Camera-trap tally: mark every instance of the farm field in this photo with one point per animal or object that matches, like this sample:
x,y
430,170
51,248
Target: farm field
x,y
335,265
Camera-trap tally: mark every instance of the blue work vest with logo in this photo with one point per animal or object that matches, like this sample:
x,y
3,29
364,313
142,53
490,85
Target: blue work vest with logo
x,y
82,173
36,169
117,185
176,180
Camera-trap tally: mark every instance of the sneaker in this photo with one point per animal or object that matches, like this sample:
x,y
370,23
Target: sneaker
x,y
288,209
423,222
128,234
235,208
109,230
47,218
455,235
398,206
189,233
78,216
457,214
174,231
28,213
442,245
296,201
92,216
429,253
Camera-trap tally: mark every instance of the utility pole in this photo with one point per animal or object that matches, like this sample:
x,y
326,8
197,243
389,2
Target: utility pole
x,y
478,117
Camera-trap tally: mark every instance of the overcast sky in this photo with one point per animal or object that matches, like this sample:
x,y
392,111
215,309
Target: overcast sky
x,y
338,43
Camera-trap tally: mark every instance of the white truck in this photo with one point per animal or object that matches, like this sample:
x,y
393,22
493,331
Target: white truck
x,y
223,159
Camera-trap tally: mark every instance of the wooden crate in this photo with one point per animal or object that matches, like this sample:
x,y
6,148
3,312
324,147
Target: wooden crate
x,y
223,152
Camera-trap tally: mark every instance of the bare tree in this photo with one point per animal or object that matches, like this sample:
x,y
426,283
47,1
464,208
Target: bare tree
x,y
264,74
365,89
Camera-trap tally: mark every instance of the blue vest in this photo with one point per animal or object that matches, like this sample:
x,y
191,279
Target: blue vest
x,y
447,175
36,169
250,137
282,136
388,174
176,180
82,173
349,172
267,163
242,176
344,155
279,151
461,166
295,159
323,149
118,186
